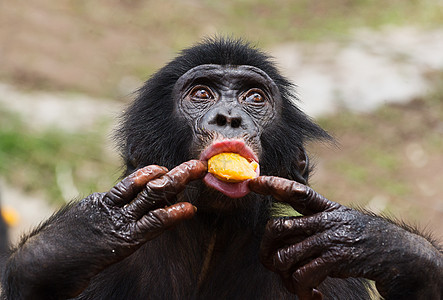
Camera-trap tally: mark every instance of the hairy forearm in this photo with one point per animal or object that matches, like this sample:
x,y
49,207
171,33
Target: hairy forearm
x,y
414,272
37,272
51,262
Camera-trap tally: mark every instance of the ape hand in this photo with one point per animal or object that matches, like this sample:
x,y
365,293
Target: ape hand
x,y
337,241
58,260
139,207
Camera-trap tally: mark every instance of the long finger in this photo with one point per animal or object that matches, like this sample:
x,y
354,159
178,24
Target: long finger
x,y
287,231
301,197
283,230
126,190
288,259
157,221
307,278
307,294
161,191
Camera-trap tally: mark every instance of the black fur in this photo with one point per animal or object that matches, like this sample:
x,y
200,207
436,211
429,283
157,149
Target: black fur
x,y
168,141
172,266
168,144
4,241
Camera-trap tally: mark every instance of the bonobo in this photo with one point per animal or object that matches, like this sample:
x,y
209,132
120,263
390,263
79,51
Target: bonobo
x,y
171,230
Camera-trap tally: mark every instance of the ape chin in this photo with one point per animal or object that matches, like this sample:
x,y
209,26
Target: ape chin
x,y
171,230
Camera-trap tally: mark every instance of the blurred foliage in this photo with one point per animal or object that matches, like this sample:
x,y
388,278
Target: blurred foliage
x,y
312,20
46,161
121,39
386,151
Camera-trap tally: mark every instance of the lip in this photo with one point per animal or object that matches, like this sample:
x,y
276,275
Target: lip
x,y
235,146
232,190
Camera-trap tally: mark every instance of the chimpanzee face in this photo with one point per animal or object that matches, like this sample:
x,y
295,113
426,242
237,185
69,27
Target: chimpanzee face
x,y
225,102
228,108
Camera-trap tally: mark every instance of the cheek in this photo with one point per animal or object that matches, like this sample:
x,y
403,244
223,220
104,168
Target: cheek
x,y
263,121
262,115
268,116
191,112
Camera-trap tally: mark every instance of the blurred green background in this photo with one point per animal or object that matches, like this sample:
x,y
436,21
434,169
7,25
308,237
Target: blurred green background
x,y
388,159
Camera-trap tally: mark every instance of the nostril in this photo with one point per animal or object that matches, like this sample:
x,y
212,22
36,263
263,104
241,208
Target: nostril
x,y
235,122
221,120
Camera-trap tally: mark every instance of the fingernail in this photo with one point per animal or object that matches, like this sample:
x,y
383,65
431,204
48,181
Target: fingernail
x,y
317,295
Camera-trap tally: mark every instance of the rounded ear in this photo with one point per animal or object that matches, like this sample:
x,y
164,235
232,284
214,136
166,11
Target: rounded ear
x,y
303,164
130,161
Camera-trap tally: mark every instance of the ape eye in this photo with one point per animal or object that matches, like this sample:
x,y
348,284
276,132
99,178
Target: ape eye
x,y
201,93
254,96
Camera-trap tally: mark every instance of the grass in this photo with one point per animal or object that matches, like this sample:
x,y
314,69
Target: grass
x,y
390,153
54,163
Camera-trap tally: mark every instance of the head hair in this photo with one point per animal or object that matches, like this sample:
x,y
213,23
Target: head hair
x,y
151,134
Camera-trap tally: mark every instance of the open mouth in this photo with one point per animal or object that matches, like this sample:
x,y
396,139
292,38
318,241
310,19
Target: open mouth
x,y
230,189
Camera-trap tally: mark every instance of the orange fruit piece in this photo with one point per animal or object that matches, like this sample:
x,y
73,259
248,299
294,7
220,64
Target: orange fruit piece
x,y
232,167
10,215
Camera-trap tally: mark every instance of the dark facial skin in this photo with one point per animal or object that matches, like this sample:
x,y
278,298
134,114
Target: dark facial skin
x,y
226,102
222,102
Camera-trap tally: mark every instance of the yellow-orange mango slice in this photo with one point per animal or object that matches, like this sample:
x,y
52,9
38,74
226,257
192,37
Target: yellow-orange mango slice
x,y
231,167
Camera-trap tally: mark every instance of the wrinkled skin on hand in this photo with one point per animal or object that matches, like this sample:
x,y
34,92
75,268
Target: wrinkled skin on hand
x,y
112,225
337,241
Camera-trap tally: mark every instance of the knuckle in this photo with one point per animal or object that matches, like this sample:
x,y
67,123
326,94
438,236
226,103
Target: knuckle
x,y
148,170
151,196
297,277
274,227
271,183
192,163
154,220
189,166
264,180
96,196
284,225
160,190
310,194
159,183
282,260
127,233
117,191
128,214
308,231
271,180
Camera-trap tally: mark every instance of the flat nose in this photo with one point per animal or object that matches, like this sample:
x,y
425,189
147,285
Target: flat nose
x,y
228,121
223,120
